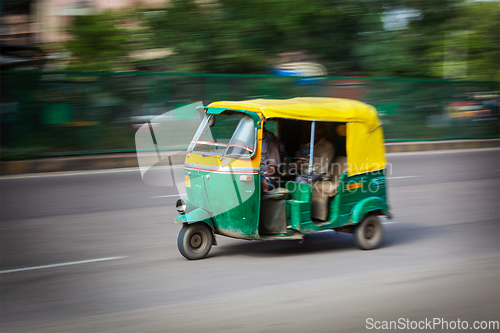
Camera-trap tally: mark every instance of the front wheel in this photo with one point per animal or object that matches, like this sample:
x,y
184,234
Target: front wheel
x,y
195,240
368,234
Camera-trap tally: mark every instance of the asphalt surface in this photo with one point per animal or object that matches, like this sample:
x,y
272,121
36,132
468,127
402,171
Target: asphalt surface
x,y
121,271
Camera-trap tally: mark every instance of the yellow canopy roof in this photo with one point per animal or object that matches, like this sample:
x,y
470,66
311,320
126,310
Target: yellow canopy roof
x,y
309,108
365,139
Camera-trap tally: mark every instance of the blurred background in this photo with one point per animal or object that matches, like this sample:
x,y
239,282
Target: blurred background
x,y
96,250
80,76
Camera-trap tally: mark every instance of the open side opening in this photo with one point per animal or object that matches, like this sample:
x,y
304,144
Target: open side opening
x,y
279,205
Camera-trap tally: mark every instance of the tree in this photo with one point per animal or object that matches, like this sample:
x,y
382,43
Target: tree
x,y
446,39
233,36
469,46
97,43
450,38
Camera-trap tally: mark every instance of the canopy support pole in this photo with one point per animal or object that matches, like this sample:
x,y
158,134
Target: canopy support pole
x,y
311,153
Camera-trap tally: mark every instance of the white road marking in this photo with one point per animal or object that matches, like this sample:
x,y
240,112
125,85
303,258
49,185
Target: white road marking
x,y
401,177
68,173
59,265
389,222
79,173
444,151
166,196
135,169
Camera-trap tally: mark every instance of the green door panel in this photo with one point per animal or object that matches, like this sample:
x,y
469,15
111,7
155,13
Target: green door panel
x,y
197,192
235,204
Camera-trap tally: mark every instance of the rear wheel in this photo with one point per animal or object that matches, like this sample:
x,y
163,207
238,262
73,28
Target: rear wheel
x,y
195,240
369,233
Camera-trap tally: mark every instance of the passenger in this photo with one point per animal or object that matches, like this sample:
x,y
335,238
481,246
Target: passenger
x,y
270,160
323,156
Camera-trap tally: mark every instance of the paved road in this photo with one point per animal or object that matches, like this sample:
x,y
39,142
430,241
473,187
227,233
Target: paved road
x,y
440,258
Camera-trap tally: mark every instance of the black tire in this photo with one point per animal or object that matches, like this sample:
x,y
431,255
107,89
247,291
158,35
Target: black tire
x,y
195,240
368,233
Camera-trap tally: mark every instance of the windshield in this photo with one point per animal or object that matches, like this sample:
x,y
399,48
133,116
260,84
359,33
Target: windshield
x,y
225,134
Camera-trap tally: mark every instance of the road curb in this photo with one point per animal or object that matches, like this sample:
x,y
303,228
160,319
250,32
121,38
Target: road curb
x,y
112,161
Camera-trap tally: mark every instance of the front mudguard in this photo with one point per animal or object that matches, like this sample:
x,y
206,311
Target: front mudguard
x,y
197,215
368,205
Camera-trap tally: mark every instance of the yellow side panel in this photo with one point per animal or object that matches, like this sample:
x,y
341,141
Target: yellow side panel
x,y
365,150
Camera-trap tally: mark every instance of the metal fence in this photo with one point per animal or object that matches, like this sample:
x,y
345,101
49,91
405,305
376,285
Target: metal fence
x,y
64,113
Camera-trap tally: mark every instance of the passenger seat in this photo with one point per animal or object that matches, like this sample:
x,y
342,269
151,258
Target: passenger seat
x,y
324,190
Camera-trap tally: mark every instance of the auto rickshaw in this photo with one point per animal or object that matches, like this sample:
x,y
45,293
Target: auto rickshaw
x,y
223,174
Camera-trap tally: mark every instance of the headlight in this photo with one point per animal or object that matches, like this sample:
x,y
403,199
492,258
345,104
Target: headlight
x,y
180,205
184,206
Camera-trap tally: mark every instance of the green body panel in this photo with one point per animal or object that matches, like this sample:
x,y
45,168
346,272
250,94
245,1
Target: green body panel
x,y
197,192
357,196
355,191
297,213
335,217
234,205
298,206
367,205
196,215
299,191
